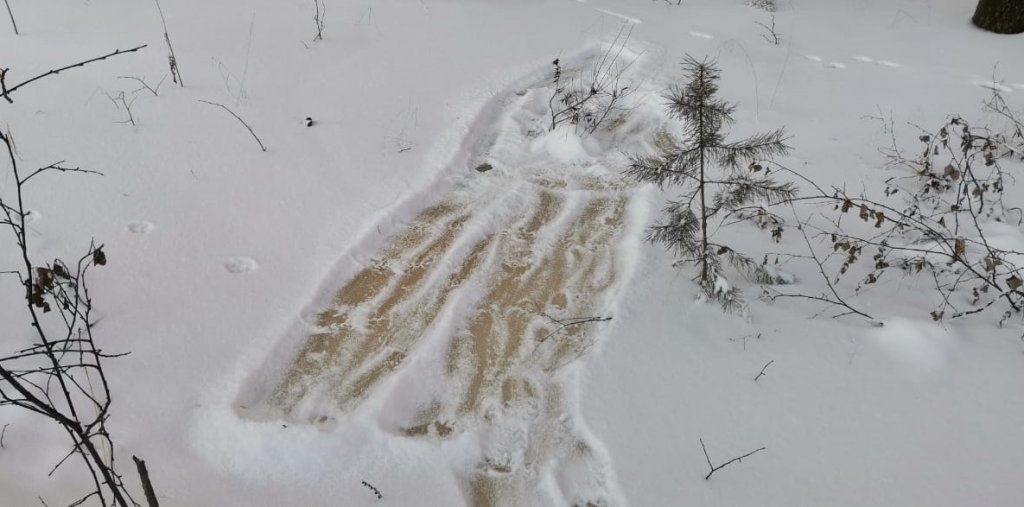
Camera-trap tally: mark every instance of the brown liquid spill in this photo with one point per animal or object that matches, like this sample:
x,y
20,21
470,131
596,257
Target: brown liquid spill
x,y
404,331
376,319
501,314
555,263
498,331
327,356
573,267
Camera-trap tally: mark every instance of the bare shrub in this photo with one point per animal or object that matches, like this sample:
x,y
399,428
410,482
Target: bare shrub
x,y
933,219
587,97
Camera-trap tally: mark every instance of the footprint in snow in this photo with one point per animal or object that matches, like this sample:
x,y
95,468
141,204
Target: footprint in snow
x,y
141,227
884,63
702,35
239,265
829,65
992,85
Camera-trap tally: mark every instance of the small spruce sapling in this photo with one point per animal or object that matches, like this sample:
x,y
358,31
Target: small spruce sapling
x,y
738,188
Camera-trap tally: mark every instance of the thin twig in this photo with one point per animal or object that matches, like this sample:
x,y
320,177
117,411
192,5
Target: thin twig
x,y
575,321
62,460
78,502
772,36
172,60
11,14
6,91
127,106
321,11
723,465
374,489
769,363
57,167
222,106
145,86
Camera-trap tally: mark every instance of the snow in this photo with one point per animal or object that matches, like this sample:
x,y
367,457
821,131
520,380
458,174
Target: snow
x,y
222,257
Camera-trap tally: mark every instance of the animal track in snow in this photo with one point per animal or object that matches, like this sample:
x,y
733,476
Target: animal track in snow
x,y
241,264
141,227
992,85
702,35
829,65
884,63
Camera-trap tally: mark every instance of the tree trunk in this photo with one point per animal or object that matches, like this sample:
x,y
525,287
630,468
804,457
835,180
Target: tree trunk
x,y
1000,16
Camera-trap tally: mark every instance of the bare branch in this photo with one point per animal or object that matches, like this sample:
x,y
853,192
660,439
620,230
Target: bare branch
x,y
771,36
147,485
765,367
374,489
563,324
57,167
254,136
6,91
145,86
172,60
120,100
723,465
11,14
318,18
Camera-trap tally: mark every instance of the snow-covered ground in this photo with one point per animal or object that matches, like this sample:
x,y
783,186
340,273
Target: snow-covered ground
x,y
223,258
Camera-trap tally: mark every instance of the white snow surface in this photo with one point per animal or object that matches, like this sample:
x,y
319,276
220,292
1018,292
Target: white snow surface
x,y
219,253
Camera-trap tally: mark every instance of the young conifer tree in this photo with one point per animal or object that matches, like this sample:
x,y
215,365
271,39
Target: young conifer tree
x,y
710,196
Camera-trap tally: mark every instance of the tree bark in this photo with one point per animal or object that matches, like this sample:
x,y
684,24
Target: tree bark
x,y
1000,16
